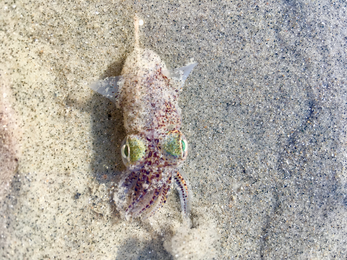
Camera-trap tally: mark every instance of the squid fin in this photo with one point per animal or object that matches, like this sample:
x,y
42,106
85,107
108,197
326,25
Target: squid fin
x,y
108,87
180,74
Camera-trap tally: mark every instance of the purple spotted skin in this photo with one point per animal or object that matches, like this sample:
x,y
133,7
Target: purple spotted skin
x,y
149,101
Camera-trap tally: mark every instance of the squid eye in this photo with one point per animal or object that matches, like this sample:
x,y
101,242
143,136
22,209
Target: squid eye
x,y
184,146
133,149
125,151
175,144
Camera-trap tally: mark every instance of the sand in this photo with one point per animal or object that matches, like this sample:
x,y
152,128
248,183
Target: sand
x,y
264,113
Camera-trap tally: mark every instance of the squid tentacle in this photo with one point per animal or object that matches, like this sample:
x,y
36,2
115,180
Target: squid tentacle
x,y
184,192
161,199
146,211
125,187
150,203
138,208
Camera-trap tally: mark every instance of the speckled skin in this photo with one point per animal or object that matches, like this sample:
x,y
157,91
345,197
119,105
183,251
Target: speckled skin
x,y
149,101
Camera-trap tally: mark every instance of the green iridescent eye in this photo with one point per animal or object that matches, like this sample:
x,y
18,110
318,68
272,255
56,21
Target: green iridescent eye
x,y
175,144
133,149
183,145
137,149
172,144
125,150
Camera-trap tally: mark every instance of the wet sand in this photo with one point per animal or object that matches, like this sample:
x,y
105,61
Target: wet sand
x,y
264,114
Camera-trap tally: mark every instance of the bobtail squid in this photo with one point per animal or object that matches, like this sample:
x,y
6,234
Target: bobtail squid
x,y
154,147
